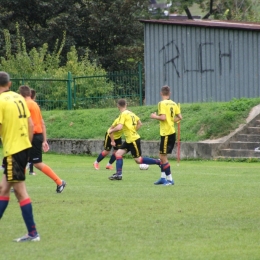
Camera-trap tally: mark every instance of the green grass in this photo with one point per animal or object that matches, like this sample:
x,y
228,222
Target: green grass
x,y
211,213
200,120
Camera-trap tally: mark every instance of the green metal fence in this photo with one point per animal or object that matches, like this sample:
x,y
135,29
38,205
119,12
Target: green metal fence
x,y
96,91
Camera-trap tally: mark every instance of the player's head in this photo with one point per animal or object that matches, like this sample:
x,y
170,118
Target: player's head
x,y
121,103
33,94
4,79
25,91
165,91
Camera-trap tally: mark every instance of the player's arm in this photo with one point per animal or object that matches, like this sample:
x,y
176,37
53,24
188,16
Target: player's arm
x,y
30,128
111,135
138,125
45,145
178,118
116,128
161,117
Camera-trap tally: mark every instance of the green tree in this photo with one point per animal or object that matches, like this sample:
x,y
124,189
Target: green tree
x,y
109,29
240,10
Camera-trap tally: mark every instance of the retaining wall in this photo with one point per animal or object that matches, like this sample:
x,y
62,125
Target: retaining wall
x,y
149,148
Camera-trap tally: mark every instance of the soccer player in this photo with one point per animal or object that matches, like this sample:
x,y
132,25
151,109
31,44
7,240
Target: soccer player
x,y
39,141
168,113
108,147
130,123
16,130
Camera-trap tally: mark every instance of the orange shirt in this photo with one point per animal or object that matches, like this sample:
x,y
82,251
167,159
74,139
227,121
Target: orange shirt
x,y
35,115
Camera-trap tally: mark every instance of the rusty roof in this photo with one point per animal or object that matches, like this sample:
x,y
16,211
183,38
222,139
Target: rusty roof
x,y
209,24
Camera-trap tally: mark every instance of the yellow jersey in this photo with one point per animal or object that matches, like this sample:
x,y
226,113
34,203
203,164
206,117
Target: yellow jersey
x,y
170,109
14,123
117,134
129,121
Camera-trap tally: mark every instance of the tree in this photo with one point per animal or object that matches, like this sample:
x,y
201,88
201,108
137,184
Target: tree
x,y
110,29
241,10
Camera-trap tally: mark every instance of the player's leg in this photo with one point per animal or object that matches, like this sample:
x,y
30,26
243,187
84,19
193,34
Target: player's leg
x,y
15,176
31,172
113,156
119,162
36,157
136,152
4,195
166,147
105,152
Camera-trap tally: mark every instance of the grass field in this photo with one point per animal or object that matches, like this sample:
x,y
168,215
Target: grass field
x,y
212,212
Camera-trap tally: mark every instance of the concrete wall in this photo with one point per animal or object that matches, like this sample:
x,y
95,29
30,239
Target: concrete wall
x,y
149,148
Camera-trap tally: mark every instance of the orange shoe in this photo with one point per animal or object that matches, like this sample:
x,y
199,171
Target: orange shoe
x,y
109,167
96,165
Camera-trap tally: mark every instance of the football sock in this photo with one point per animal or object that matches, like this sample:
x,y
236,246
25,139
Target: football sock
x,y
112,158
163,176
101,157
147,160
119,165
50,173
166,168
3,204
169,177
26,208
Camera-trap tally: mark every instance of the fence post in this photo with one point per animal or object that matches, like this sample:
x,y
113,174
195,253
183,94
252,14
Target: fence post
x,y
69,91
140,82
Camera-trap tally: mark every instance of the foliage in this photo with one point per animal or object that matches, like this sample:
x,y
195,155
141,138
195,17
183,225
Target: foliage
x,y
109,29
200,121
43,65
241,10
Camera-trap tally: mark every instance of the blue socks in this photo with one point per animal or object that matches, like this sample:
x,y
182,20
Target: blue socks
x,y
3,204
119,165
26,208
112,158
147,160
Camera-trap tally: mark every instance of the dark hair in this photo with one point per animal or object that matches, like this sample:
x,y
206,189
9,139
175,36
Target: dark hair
x,y
33,93
165,90
121,102
4,78
25,91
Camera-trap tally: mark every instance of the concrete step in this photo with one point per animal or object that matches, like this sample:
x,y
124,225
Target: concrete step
x,y
241,153
248,138
253,130
244,145
257,123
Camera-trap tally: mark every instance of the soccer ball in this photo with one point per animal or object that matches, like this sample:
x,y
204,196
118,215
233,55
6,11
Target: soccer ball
x,y
143,166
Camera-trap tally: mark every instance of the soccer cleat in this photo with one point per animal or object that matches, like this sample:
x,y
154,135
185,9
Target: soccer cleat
x,y
27,238
61,187
32,173
160,181
109,167
96,165
115,176
168,183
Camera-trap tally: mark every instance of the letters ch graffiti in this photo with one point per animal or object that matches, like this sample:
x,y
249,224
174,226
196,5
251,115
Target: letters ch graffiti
x,y
183,61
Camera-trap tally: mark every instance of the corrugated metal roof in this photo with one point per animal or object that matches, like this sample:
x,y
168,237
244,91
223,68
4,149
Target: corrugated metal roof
x,y
209,23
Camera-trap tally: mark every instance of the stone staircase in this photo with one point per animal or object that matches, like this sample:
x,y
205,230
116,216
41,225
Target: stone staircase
x,y
245,143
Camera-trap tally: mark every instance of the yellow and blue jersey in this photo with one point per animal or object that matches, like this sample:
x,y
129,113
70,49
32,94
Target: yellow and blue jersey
x,y
14,116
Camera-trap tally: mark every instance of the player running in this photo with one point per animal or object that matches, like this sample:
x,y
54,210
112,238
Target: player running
x,y
129,123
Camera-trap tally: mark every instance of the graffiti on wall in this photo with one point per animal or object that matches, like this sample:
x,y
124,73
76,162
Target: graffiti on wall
x,y
180,60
